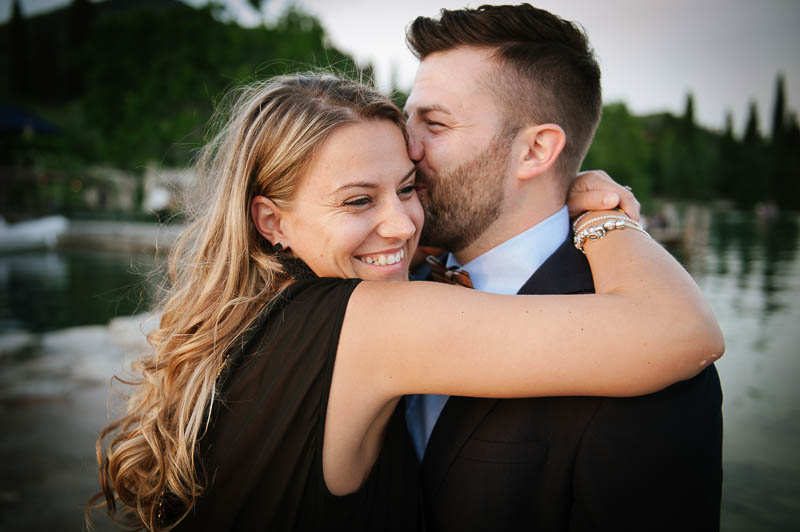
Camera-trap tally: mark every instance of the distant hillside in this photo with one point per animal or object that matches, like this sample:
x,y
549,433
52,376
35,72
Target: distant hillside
x,y
128,81
45,48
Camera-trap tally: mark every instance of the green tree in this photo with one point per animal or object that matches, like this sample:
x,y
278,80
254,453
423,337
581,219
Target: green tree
x,y
751,130
779,109
80,17
782,151
152,101
789,192
729,165
752,183
688,113
785,151
619,148
19,58
698,166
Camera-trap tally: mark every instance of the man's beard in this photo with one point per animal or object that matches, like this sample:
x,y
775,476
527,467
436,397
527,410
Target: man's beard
x,y
462,203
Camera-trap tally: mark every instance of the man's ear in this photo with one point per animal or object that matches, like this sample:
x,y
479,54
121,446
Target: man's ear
x,y
540,147
267,218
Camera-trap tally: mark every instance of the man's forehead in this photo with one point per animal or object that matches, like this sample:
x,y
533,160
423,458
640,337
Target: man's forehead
x,y
447,80
475,56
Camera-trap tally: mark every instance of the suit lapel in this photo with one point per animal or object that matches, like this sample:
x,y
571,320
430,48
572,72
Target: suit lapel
x,y
459,419
564,272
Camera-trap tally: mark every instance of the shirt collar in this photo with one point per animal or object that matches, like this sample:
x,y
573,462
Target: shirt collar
x,y
505,268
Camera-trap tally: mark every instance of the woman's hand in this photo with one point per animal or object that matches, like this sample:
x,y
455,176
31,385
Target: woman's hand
x,y
594,190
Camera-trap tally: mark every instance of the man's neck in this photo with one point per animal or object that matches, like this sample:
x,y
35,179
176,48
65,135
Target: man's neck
x,y
505,268
505,228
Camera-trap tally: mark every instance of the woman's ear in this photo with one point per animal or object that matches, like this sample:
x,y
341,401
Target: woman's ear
x,y
267,218
541,146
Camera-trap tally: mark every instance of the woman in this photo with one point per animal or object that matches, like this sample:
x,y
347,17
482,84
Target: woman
x,y
270,398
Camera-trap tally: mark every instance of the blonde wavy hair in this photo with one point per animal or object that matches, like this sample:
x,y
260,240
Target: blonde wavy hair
x,y
222,274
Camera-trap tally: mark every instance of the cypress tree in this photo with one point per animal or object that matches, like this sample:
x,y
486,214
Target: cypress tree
x,y
694,167
751,132
688,113
80,17
729,154
780,156
19,57
779,110
789,194
728,125
754,181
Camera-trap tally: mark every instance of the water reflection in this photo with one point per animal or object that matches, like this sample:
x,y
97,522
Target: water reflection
x,y
766,245
43,291
748,268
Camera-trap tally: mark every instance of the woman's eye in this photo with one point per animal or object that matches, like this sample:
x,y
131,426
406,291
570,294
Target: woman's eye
x,y
408,190
434,124
358,202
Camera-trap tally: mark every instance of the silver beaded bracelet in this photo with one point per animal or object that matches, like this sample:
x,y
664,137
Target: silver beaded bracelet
x,y
579,218
596,232
587,213
595,221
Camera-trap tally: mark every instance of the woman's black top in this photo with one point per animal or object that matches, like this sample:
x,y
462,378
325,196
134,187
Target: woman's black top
x,y
262,453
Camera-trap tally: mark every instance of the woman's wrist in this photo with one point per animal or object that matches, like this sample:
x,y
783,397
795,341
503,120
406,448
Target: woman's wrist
x,y
590,215
594,225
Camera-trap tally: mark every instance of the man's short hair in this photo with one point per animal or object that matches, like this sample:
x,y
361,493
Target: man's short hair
x,y
550,74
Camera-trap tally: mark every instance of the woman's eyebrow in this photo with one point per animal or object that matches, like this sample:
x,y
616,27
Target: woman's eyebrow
x,y
369,184
408,174
356,184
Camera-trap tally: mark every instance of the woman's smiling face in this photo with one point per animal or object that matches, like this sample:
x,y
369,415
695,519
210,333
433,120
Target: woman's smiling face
x,y
356,211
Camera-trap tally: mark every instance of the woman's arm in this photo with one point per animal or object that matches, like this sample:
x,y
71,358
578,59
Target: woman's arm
x,y
648,327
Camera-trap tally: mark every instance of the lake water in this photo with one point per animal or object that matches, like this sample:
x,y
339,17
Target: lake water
x,y
44,291
748,268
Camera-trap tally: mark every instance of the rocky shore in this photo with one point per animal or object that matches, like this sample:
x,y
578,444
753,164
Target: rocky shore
x,y
54,399
119,236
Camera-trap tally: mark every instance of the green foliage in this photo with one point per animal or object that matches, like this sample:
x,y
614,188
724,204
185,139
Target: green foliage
x,y
151,75
137,81
779,111
19,49
155,99
399,97
671,156
620,149
783,152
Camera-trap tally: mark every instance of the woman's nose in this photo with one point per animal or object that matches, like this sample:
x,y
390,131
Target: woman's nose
x,y
397,222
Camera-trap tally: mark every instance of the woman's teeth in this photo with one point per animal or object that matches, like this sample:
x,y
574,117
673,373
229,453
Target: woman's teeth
x,y
384,260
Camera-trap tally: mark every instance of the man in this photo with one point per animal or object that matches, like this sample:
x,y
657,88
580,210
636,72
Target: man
x,y
502,111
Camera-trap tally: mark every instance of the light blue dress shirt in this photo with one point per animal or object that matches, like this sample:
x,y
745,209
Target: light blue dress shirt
x,y
503,269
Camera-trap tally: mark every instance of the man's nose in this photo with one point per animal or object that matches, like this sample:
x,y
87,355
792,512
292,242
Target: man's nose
x,y
415,150
396,222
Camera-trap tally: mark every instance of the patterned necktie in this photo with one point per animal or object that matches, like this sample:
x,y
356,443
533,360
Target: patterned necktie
x,y
452,275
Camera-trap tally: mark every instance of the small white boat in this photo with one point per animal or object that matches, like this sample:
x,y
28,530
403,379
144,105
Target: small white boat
x,y
33,234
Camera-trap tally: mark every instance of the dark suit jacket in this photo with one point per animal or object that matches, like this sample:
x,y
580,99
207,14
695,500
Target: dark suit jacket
x,y
578,463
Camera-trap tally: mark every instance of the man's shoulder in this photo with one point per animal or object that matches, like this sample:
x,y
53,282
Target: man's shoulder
x,y
702,394
566,271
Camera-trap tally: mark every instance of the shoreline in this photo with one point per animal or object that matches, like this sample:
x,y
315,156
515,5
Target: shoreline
x,y
54,400
119,236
